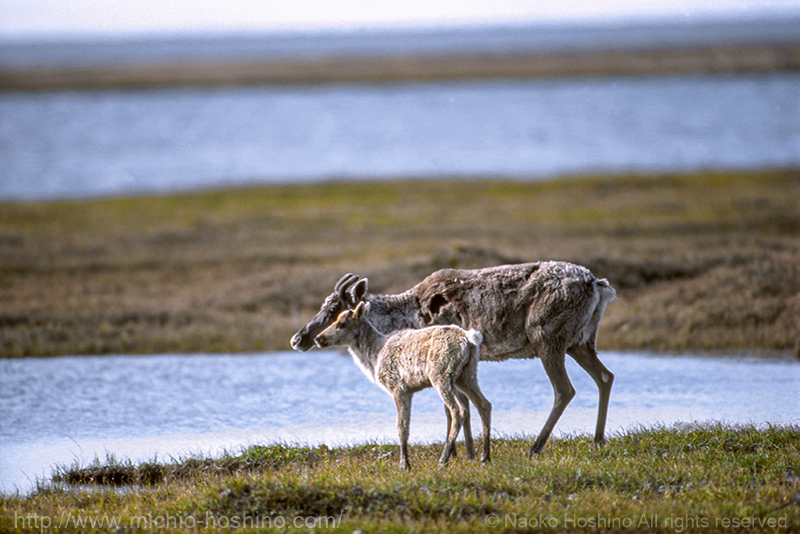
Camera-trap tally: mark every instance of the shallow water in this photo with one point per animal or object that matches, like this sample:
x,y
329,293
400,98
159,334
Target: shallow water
x,y
62,410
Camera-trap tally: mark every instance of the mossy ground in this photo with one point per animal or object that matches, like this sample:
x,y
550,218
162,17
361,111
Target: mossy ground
x,y
702,479
705,262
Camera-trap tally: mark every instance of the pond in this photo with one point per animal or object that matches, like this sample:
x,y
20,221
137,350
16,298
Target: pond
x,y
107,143
56,411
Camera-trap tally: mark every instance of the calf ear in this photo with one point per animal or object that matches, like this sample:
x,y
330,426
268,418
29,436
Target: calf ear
x,y
361,310
358,291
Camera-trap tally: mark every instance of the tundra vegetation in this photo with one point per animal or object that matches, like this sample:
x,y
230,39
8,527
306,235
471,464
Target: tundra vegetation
x,y
722,59
688,479
706,262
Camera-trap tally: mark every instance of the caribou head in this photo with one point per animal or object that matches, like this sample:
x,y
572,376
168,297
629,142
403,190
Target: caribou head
x,y
347,293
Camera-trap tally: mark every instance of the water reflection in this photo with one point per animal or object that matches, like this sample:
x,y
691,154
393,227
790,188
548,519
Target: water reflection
x,y
61,410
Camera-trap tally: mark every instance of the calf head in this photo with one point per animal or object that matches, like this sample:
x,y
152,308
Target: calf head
x,y
345,329
347,294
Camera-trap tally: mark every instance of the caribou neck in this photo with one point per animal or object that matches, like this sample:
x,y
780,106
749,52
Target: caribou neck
x,y
390,313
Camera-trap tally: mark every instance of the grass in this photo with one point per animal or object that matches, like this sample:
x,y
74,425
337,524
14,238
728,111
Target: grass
x,y
705,478
706,261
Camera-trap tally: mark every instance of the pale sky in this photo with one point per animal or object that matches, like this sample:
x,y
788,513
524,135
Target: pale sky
x,y
32,18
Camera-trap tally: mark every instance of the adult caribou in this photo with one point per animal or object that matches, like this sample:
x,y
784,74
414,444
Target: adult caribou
x,y
534,310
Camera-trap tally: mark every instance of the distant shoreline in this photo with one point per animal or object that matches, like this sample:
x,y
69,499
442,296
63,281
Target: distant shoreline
x,y
722,59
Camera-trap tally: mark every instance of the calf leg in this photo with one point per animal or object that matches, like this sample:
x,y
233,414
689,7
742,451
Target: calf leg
x,y
586,356
453,405
402,400
469,444
466,428
470,387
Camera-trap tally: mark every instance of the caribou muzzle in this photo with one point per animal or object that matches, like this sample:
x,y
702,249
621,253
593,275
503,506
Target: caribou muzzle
x,y
301,341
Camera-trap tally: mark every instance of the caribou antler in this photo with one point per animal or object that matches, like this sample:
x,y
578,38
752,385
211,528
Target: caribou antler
x,y
345,283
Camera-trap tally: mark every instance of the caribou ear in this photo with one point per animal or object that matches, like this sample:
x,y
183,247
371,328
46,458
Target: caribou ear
x,y
358,291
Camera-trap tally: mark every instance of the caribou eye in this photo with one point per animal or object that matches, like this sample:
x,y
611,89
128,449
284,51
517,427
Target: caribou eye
x,y
330,303
332,311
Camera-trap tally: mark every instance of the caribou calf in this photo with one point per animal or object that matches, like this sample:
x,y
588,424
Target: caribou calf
x,y
402,363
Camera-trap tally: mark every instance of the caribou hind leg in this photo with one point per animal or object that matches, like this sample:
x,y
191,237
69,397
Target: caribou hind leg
x,y
586,356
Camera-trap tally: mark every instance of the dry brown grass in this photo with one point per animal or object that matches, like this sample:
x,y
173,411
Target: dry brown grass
x,y
727,59
701,262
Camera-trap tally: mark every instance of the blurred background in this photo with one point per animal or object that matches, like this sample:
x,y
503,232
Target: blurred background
x,y
208,94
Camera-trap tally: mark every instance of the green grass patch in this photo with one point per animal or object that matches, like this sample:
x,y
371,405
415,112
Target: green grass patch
x,y
703,478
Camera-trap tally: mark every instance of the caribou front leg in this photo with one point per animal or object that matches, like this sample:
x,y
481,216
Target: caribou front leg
x,y
563,393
